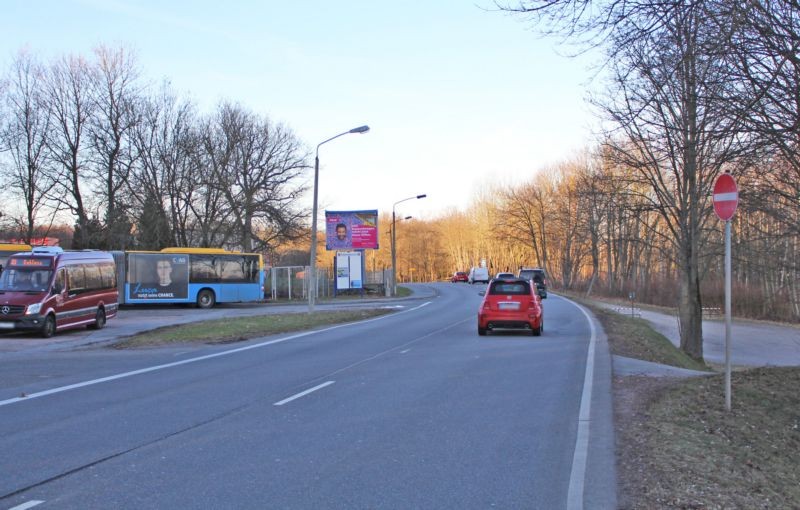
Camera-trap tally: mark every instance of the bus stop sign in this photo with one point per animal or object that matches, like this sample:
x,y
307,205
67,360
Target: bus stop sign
x,y
726,197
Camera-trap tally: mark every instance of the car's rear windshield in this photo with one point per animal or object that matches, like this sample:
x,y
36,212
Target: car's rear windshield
x,y
537,276
510,288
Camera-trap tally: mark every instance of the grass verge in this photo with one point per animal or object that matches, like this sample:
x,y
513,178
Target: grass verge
x,y
244,328
634,338
683,450
677,446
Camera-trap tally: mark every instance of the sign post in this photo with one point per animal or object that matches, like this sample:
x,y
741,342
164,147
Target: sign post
x,y
726,199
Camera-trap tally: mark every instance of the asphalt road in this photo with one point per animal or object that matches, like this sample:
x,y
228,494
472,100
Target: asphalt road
x,y
411,410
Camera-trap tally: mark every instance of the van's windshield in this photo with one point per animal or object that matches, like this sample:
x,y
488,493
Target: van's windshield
x,y
25,280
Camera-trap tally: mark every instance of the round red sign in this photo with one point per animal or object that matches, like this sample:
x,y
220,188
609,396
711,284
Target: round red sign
x,y
726,196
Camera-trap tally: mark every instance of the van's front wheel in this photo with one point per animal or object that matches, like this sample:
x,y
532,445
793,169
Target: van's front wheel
x,y
206,299
49,326
99,320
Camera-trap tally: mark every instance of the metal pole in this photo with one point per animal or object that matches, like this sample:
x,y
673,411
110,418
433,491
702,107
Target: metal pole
x,y
728,315
394,257
312,277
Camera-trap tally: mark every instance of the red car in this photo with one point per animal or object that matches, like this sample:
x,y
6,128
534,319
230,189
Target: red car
x,y
459,276
511,304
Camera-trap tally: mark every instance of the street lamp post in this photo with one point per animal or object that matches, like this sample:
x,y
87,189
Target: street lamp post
x,y
394,242
312,277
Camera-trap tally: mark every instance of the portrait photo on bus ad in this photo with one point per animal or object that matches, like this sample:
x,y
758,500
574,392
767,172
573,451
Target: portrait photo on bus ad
x,y
351,230
158,276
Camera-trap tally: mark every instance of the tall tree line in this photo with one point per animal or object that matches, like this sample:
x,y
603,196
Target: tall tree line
x,y
135,166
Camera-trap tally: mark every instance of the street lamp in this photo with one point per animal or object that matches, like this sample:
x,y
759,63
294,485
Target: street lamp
x,y
312,281
394,241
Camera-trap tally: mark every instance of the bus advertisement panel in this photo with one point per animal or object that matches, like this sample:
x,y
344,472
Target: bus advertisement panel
x,y
204,276
155,276
351,230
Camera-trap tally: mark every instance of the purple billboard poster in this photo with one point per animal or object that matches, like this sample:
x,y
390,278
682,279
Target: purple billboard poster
x,y
351,230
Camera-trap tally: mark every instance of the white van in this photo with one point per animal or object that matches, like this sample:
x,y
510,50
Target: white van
x,y
478,274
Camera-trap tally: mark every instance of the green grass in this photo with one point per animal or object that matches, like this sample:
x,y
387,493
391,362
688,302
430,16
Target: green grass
x,y
403,291
243,328
634,338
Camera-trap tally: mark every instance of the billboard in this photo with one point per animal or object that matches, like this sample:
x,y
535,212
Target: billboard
x,y
351,230
158,276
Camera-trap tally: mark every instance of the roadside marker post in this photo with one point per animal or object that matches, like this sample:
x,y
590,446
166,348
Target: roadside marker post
x,y
726,199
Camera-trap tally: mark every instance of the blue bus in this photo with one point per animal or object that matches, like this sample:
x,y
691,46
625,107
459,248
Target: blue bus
x,y
203,276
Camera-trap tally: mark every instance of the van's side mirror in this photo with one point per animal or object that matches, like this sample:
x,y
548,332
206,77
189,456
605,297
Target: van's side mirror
x,y
57,288
482,293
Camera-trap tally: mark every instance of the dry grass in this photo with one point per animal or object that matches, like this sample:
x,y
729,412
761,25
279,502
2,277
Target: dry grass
x,y
681,449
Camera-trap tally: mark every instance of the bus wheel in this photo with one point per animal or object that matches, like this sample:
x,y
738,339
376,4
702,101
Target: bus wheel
x,y
49,326
99,320
205,299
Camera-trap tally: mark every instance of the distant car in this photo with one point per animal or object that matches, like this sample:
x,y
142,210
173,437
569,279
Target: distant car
x,y
478,275
459,276
504,275
537,275
511,304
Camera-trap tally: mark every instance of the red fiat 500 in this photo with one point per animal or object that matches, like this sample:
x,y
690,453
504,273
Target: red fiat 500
x,y
512,304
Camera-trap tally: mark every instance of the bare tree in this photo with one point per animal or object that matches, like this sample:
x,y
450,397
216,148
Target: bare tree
x,y
67,97
24,138
256,166
163,181
667,83
114,97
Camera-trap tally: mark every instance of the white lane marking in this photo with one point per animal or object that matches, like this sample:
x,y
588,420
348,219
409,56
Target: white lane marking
x,y
404,351
303,393
577,476
25,506
193,360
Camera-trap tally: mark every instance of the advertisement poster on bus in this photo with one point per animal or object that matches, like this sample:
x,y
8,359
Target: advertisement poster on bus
x,y
351,230
158,276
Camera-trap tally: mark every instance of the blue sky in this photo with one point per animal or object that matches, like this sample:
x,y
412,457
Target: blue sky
x,y
457,95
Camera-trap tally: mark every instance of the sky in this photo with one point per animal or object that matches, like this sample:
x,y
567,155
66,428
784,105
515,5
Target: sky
x,y
458,96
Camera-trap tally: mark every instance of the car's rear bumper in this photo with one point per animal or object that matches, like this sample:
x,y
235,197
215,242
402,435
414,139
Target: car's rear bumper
x,y
518,321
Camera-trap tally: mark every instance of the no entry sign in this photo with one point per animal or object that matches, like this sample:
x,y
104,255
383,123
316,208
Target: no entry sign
x,y
726,196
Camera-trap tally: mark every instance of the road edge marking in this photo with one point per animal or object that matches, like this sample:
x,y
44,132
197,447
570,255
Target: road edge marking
x,y
577,476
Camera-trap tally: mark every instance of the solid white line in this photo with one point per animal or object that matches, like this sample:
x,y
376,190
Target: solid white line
x,y
577,475
303,393
30,504
192,360
405,351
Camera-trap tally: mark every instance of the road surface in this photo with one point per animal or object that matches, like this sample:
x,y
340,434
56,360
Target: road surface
x,y
410,410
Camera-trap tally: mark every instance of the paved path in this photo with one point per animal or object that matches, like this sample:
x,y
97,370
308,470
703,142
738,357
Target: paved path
x,y
753,343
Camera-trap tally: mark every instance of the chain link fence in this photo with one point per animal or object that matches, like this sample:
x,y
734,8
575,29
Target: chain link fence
x,y
290,283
